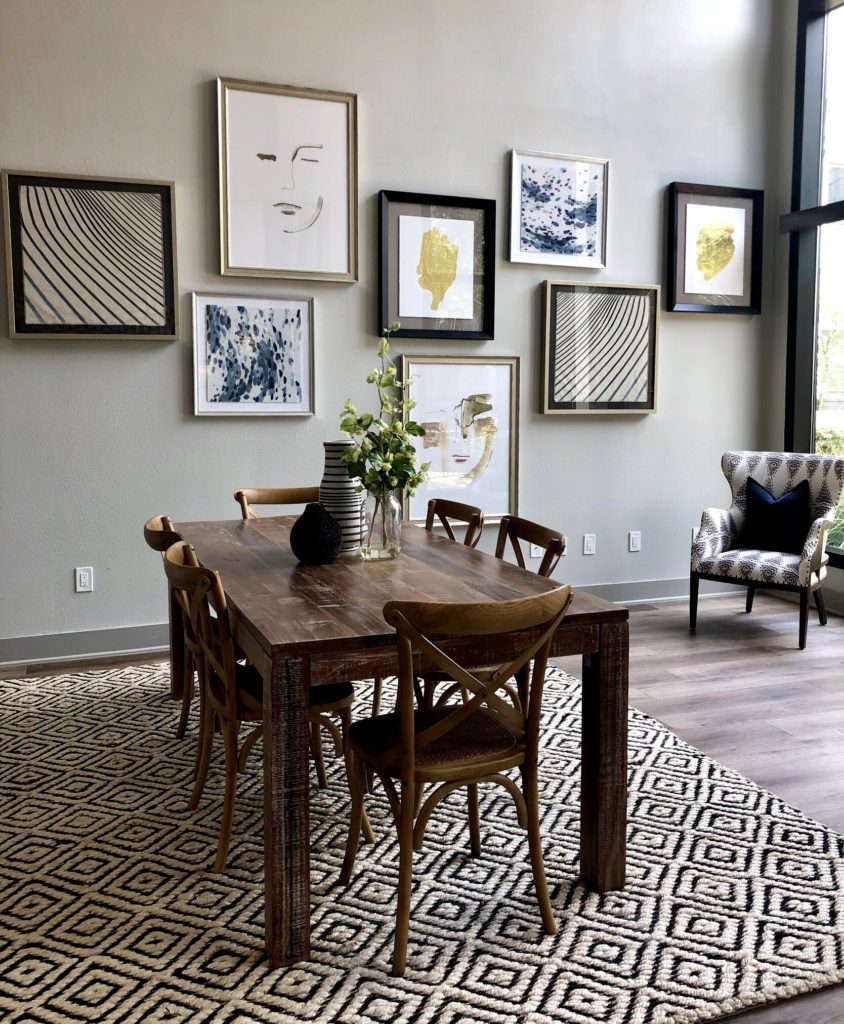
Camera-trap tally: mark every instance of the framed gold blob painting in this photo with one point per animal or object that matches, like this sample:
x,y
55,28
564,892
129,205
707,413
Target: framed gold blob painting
x,y
714,249
437,265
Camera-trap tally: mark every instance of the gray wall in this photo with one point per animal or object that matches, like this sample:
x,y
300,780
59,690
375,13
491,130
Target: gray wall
x,y
96,436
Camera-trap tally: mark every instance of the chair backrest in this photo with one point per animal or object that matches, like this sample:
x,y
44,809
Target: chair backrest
x,y
780,471
203,601
249,496
159,533
518,530
418,622
455,511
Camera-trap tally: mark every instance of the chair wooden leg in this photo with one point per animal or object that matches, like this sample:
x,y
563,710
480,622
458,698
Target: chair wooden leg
x,y
345,721
821,606
405,878
187,697
316,750
474,819
204,744
230,744
804,616
531,790
694,583
751,593
357,786
377,686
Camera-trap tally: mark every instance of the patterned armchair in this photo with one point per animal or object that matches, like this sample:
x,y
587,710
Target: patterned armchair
x,y
715,555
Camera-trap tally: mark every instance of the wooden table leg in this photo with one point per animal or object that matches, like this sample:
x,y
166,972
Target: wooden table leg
x,y
178,659
603,800
287,884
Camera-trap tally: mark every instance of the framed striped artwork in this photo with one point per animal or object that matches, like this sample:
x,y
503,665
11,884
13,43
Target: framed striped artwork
x,y
599,348
90,257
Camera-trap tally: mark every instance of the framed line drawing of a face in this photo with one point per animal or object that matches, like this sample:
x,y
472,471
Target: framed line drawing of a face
x,y
288,181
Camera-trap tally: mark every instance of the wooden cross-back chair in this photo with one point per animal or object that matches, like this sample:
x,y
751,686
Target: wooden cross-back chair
x,y
231,692
447,512
517,531
248,497
459,744
160,535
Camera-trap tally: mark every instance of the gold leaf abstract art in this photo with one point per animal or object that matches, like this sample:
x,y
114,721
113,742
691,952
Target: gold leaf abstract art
x,y
437,268
715,248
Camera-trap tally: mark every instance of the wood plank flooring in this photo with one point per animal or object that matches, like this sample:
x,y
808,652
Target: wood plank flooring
x,y
741,690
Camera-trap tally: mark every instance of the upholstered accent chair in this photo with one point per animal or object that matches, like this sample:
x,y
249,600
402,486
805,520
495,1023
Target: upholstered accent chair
x,y
717,551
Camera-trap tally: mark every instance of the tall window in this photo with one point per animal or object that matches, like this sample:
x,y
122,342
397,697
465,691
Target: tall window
x,y
815,396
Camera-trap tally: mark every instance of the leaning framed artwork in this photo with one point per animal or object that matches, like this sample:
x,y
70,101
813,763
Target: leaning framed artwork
x,y
714,249
558,209
437,265
599,348
90,257
288,181
253,356
469,409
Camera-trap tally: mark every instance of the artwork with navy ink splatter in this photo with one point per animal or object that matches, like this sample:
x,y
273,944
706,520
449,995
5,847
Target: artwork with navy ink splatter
x,y
561,206
253,354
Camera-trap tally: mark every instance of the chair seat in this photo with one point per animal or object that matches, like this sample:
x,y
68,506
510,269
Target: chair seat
x,y
481,737
754,566
250,687
326,695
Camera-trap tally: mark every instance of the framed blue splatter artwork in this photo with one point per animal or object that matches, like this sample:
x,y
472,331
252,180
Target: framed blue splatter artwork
x,y
253,356
558,209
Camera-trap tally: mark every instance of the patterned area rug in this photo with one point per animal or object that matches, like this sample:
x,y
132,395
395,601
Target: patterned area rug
x,y
109,912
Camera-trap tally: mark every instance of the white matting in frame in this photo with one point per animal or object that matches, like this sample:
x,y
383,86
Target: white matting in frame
x,y
436,267
253,356
468,408
288,181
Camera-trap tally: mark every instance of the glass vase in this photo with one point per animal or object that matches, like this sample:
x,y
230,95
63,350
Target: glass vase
x,y
381,524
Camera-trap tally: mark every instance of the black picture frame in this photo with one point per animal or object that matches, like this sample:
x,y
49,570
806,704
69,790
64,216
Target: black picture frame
x,y
90,257
475,284
740,229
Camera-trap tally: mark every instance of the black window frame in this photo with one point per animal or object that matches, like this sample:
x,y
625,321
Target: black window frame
x,y
803,223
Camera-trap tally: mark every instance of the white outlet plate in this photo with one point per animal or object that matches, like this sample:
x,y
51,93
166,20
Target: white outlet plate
x,y
589,544
84,577
536,551
634,540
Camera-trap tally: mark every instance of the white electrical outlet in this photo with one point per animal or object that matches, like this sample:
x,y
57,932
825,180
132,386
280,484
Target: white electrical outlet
x,y
536,551
634,540
84,579
588,543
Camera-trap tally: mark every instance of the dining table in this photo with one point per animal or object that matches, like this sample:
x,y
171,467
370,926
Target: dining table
x,y
308,624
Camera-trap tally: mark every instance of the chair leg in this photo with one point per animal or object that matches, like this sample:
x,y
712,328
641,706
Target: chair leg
x,y
345,721
405,878
377,685
474,819
316,750
821,606
804,616
357,786
531,791
751,593
230,744
187,696
204,744
694,583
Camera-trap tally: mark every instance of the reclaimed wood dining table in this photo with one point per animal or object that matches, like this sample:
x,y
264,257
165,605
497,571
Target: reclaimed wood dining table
x,y
314,624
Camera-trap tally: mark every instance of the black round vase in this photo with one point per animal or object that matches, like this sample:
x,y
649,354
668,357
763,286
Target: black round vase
x,y
316,536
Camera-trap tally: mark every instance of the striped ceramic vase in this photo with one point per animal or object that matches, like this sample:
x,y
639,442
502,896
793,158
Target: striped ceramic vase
x,y
337,493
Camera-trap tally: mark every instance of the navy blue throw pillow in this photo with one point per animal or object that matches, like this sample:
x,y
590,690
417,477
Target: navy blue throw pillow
x,y
776,524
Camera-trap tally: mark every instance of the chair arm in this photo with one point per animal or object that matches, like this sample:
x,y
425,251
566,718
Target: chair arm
x,y
814,547
716,534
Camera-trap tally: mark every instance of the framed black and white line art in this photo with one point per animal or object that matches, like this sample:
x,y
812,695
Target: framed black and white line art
x,y
714,249
90,257
437,266
469,409
599,348
288,181
253,356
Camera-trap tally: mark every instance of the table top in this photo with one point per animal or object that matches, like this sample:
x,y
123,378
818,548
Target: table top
x,y
304,608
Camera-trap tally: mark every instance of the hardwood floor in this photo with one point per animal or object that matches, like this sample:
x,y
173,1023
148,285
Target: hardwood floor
x,y
740,690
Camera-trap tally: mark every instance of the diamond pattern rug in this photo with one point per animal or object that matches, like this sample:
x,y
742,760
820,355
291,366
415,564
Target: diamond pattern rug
x,y
109,912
